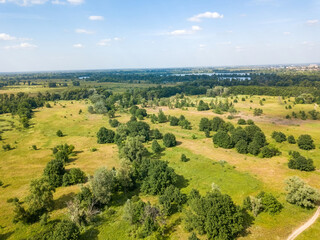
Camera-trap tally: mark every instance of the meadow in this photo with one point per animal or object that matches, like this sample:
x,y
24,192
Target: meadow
x,y
236,174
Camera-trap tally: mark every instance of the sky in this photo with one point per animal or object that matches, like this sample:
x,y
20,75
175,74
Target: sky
x,y
47,35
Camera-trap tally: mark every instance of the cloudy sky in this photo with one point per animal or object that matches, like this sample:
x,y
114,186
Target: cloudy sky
x,y
103,34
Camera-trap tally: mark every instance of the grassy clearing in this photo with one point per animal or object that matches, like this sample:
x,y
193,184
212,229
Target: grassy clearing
x,y
241,176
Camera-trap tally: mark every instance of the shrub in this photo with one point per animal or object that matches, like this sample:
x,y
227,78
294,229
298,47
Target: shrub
x,y
301,194
105,135
242,146
254,148
174,121
217,123
156,148
202,106
257,112
242,121
54,172
204,124
222,139
291,139
299,162
6,147
279,136
269,152
250,122
171,200
156,134
169,140
184,158
59,133
305,142
162,118
114,123
66,230
74,176
269,203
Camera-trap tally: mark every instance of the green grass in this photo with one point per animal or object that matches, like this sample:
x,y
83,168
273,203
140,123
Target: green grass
x,y
241,176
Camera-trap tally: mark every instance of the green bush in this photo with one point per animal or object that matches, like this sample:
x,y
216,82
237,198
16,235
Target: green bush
x,y
169,140
305,142
242,146
66,230
105,136
74,176
222,139
242,121
299,162
291,139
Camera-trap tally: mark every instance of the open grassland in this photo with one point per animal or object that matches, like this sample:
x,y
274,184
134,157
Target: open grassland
x,y
240,176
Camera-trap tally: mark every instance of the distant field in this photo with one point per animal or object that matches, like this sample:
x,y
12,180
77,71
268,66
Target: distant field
x,y
243,175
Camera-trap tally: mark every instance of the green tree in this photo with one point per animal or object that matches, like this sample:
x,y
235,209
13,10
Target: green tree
x,y
291,139
305,142
301,194
102,185
74,176
105,135
59,133
242,146
54,172
169,140
133,149
162,118
156,148
171,200
66,230
222,139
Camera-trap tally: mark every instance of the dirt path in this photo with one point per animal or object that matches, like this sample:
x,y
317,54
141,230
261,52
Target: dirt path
x,y
305,226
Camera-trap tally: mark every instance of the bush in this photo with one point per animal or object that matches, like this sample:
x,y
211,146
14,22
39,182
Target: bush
x,y
105,136
204,124
305,142
250,122
269,152
184,158
74,176
114,123
301,194
242,121
291,139
174,121
254,148
257,112
269,203
59,133
54,172
6,147
171,200
222,139
156,148
169,140
66,230
279,137
299,162
202,106
242,146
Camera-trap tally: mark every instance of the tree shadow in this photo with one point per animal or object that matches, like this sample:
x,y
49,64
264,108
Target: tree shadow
x,y
178,143
120,198
91,233
61,202
6,235
5,186
248,221
181,182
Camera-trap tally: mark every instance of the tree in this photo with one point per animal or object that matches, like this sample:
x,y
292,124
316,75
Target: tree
x,y
291,139
174,121
62,152
254,148
156,134
158,177
66,230
102,185
169,140
204,124
299,162
269,203
269,152
279,136
216,215
156,148
193,236
238,134
54,172
74,176
162,118
114,123
257,112
242,121
202,106
242,146
217,123
105,135
171,200
301,194
305,142
184,158
222,139
133,149
59,133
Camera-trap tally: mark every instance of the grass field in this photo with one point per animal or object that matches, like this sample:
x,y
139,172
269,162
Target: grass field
x,y
241,176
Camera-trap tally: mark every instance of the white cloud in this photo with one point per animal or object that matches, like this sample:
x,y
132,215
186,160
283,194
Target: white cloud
x,y
96,18
104,42
22,46
58,2
83,31
199,17
117,39
286,33
225,43
27,2
75,2
78,45
240,49
6,37
180,32
2,1
313,21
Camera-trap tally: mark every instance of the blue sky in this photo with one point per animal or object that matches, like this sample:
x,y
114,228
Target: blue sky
x,y
103,34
